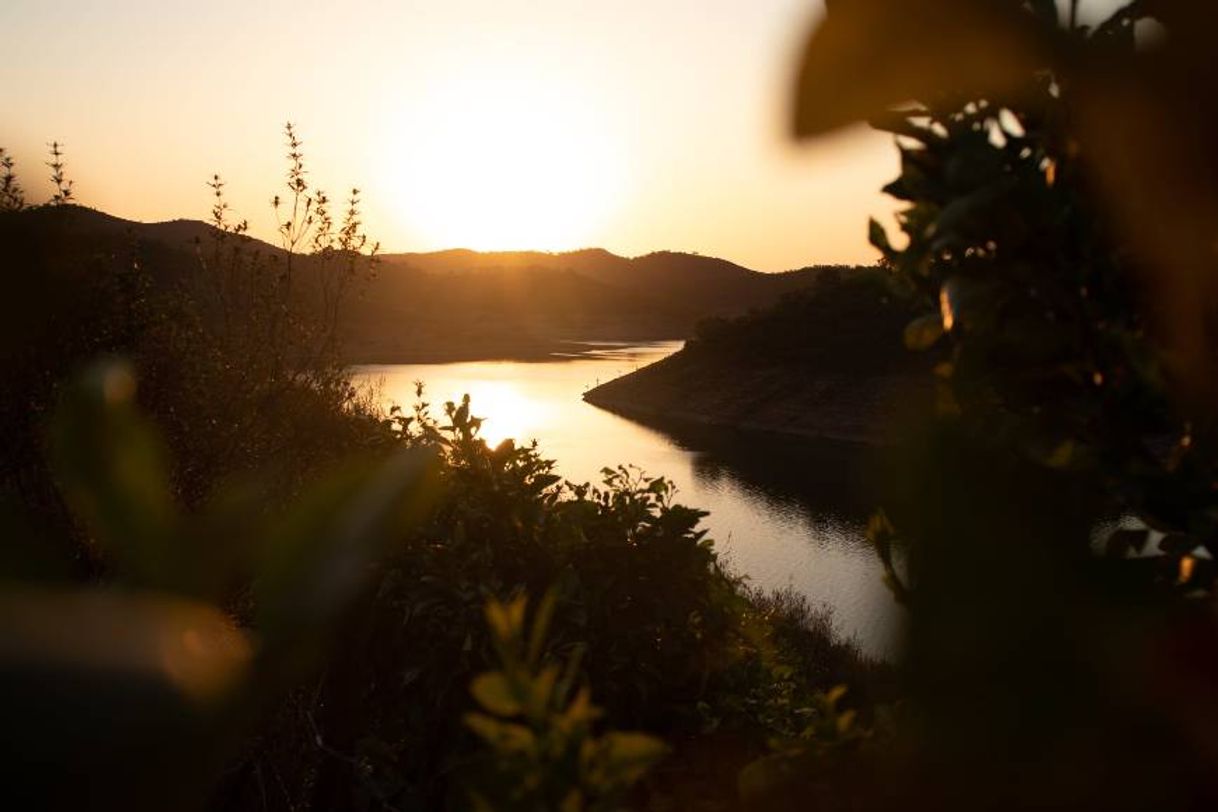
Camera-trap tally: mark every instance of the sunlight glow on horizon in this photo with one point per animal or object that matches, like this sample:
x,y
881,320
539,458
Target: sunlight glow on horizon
x,y
505,162
530,124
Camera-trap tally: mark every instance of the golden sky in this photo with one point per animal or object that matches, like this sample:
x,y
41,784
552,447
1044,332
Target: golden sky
x,y
634,125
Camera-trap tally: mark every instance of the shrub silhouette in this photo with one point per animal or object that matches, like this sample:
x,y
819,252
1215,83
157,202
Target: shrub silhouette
x,y
1066,301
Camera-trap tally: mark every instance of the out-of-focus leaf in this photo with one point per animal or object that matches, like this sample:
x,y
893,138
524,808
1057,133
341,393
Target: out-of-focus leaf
x,y
878,236
319,555
868,55
222,542
898,122
923,332
766,778
506,621
494,693
504,736
541,693
1148,135
111,466
1061,456
629,755
150,638
963,301
132,694
1146,122
953,222
541,627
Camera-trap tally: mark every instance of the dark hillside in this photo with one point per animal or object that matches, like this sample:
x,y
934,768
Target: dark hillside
x,y
466,304
458,304
827,362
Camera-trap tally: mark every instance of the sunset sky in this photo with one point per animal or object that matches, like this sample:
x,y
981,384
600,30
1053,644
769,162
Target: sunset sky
x,y
635,125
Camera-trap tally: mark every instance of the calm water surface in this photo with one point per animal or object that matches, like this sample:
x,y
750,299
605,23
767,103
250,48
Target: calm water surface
x,y
783,513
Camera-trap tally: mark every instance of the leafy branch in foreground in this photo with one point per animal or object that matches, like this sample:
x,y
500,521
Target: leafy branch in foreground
x,y
150,661
1059,189
1033,300
539,727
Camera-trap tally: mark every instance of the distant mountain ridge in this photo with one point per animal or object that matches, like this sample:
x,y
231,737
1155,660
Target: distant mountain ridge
x,y
463,304
493,301
659,267
593,261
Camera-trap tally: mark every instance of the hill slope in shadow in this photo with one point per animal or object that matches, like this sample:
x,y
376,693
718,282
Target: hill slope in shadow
x,y
467,305
825,362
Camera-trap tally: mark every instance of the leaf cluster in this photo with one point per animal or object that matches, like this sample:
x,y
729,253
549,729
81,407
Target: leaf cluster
x,y
538,726
1051,527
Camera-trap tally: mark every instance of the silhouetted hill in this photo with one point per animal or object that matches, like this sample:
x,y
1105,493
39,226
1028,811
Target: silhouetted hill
x,y
462,304
78,222
826,362
522,302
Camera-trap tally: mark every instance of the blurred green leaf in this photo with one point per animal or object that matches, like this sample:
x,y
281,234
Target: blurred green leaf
x,y
878,236
91,633
496,694
111,467
509,737
319,554
924,331
866,56
631,755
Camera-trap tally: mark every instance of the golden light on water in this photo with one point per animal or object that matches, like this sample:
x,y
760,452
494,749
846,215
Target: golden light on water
x,y
509,413
506,408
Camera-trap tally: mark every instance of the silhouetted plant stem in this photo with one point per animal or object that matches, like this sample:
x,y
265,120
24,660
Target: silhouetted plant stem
x,y
63,186
12,197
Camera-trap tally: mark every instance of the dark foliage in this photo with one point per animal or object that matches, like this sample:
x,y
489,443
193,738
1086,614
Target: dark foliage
x,y
847,322
1052,662
669,642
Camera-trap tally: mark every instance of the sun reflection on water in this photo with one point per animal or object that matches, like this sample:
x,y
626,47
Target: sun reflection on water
x,y
506,407
507,412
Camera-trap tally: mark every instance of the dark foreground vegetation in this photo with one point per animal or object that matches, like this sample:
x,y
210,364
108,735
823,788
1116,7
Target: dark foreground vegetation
x,y
1050,524
231,583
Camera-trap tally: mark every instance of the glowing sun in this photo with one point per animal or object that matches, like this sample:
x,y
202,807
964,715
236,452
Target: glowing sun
x,y
507,162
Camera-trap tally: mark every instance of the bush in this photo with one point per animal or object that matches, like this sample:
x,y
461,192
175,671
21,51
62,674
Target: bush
x,y
670,643
848,322
1068,304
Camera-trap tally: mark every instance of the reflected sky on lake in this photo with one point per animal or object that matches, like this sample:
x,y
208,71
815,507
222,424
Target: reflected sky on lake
x,y
783,512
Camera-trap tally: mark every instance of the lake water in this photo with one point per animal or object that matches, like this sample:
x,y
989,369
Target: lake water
x,y
784,513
